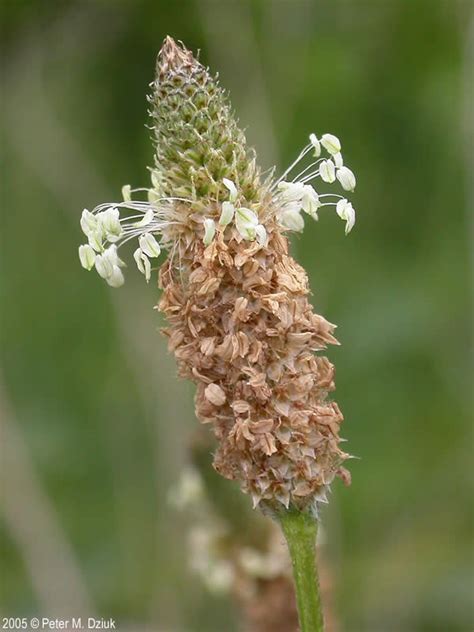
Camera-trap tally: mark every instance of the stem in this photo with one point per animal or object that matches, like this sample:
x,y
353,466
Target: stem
x,y
300,531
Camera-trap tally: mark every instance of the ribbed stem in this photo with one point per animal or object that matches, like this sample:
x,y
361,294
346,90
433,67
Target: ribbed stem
x,y
300,531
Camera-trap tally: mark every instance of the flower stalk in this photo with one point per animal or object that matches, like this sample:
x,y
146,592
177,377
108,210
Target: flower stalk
x,y
300,530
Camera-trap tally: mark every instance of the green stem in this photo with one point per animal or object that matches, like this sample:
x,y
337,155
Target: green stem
x,y
300,531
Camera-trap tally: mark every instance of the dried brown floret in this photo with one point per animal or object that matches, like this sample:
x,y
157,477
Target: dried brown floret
x,y
250,351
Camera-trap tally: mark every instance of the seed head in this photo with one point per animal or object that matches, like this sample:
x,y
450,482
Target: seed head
x,y
239,320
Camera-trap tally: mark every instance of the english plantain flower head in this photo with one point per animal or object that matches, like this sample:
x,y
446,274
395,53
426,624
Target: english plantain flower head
x,y
239,320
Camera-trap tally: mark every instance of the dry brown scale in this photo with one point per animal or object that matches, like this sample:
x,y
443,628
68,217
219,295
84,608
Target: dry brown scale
x,y
242,329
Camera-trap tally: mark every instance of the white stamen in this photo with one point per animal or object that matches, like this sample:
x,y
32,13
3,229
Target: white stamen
x,y
292,219
109,221
95,241
227,214
88,222
231,188
127,193
116,278
296,196
312,164
310,201
346,211
338,161
147,218
87,256
291,191
104,266
327,171
346,178
313,139
209,231
149,245
301,155
331,143
246,222
261,234
143,263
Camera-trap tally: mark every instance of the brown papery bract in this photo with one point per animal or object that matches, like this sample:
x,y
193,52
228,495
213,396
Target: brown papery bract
x,y
242,328
240,323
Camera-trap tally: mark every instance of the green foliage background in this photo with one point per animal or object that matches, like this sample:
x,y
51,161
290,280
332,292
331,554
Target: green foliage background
x,y
96,426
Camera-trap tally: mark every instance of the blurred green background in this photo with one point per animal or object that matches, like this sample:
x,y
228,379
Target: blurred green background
x,y
95,426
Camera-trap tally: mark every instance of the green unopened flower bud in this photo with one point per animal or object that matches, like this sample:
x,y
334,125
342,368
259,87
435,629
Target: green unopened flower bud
x,y
198,140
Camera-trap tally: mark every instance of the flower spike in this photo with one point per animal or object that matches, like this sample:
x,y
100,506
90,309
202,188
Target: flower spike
x,y
240,321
